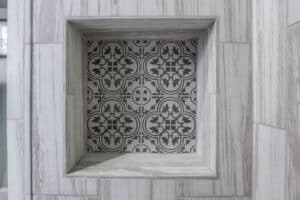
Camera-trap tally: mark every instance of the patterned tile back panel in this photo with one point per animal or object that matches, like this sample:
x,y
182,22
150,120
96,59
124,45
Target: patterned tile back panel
x,y
141,96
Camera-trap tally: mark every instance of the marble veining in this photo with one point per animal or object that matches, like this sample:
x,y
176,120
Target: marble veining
x,y
142,96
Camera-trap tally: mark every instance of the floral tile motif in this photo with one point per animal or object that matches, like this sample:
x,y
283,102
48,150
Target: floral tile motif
x,y
142,96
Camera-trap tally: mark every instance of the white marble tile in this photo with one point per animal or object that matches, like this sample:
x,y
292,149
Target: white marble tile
x,y
18,58
234,20
77,7
92,7
48,127
235,120
293,161
234,128
197,188
269,173
164,189
125,189
18,101
219,198
293,115
47,21
127,8
271,98
294,11
63,197
269,61
294,63
237,111
18,160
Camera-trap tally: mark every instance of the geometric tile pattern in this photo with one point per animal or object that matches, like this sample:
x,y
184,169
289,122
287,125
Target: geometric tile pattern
x,y
142,96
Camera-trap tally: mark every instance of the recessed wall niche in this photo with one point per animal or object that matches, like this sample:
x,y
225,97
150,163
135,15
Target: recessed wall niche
x,y
141,97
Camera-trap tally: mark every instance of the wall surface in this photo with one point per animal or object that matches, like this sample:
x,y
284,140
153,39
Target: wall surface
x,y
38,67
269,98
293,102
18,100
234,102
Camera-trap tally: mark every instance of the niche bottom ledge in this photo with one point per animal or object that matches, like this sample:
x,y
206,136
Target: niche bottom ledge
x,y
141,165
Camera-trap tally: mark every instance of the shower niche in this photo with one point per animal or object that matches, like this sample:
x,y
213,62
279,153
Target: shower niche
x,y
141,97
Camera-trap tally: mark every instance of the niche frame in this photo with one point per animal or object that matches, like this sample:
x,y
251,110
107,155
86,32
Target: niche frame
x,y
78,162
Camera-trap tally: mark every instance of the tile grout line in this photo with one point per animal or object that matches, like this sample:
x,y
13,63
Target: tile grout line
x,y
65,195
270,126
294,24
234,42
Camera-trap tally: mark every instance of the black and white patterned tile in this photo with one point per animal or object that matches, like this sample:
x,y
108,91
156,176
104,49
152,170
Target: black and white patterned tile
x,y
142,96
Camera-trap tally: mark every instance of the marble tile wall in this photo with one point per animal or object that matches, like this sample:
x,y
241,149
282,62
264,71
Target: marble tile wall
x,y
235,121
293,106
234,153
18,100
270,42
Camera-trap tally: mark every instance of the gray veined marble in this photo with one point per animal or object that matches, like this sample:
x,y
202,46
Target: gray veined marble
x,y
293,114
249,96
